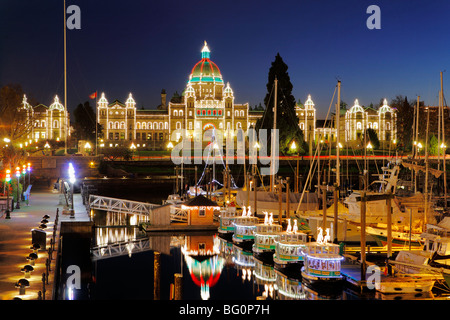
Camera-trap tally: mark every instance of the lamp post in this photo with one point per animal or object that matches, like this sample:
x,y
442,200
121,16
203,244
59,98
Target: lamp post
x,y
24,172
72,180
87,148
47,147
133,148
293,148
7,180
18,182
29,173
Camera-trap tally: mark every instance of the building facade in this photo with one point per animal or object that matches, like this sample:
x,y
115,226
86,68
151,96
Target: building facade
x,y
206,103
352,123
46,123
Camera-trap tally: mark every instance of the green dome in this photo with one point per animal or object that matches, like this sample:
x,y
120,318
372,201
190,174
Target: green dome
x,y
205,70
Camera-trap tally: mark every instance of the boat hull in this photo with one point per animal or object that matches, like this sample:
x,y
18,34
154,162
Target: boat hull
x,y
406,286
323,285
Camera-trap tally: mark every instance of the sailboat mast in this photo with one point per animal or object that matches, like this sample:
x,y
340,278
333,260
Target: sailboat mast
x,y
338,113
426,167
443,142
65,82
272,177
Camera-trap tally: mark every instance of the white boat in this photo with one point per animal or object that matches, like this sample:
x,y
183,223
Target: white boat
x,y
266,235
434,259
322,265
289,255
404,284
226,221
269,201
244,229
407,211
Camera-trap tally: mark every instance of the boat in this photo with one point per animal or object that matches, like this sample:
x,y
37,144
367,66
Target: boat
x,y
244,229
226,222
288,257
269,201
404,284
433,259
322,265
407,210
266,235
399,238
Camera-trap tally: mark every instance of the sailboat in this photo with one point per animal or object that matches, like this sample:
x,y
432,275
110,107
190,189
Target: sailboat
x,y
268,200
433,261
407,211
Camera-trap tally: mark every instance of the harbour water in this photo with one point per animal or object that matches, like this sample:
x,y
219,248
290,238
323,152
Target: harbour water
x,y
212,268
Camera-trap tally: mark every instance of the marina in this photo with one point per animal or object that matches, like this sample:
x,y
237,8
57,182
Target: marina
x,y
311,166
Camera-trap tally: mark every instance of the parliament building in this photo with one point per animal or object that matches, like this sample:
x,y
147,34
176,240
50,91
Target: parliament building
x,y
206,103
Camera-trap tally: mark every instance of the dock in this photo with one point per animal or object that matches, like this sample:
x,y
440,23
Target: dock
x,y
181,227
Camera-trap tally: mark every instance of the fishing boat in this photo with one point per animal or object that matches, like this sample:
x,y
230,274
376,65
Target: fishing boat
x,y
433,259
244,229
404,284
269,201
288,257
399,238
266,235
322,265
226,222
408,210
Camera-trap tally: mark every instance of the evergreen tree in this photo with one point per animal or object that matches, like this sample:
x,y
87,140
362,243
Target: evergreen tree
x,y
287,121
84,122
405,120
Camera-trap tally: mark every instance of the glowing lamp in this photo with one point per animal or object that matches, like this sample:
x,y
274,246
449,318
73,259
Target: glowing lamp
x,y
132,147
8,175
29,167
72,178
87,145
369,145
18,172
169,145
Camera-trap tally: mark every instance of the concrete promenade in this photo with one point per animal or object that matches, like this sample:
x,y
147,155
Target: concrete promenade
x,y
15,242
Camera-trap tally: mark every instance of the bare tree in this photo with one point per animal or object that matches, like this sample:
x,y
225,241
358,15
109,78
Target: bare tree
x,y
15,120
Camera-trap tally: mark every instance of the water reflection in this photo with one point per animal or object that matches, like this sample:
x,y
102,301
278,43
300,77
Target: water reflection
x,y
212,266
201,254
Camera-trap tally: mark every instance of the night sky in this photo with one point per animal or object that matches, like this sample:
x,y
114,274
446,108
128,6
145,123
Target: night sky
x,y
145,46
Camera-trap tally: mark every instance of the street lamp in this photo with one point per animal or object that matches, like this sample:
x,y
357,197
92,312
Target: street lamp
x,y
24,172
419,146
72,180
87,147
7,180
293,148
18,198
29,172
133,148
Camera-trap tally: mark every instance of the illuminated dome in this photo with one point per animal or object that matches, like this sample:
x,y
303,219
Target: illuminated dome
x,y
356,107
56,105
309,104
385,107
205,70
228,91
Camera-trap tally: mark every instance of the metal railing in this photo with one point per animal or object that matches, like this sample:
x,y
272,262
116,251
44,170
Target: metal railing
x,y
120,205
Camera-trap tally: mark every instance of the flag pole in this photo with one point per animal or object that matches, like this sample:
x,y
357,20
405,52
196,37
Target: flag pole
x,y
96,123
65,83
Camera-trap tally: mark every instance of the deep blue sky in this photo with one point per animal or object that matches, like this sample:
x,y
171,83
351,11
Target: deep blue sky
x,y
144,46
